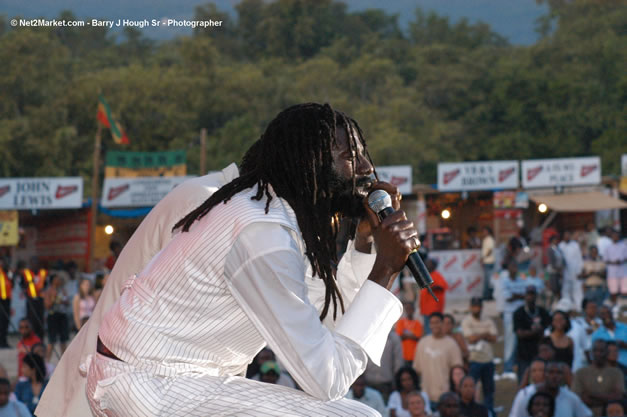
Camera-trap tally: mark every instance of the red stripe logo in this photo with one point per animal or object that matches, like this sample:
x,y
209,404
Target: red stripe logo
x,y
450,176
587,169
63,191
469,261
114,192
505,173
451,262
398,180
4,190
455,284
473,284
533,172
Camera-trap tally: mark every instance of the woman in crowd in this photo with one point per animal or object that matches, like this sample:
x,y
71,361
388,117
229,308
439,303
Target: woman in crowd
x,y
562,344
455,377
469,407
541,404
30,390
83,304
449,329
416,405
406,381
56,302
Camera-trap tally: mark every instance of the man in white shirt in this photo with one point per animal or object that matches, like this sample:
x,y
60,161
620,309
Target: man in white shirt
x,y
615,256
513,292
567,403
234,280
366,395
487,259
572,287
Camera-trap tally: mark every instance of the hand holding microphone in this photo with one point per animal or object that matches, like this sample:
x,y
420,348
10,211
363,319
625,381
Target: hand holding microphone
x,y
396,233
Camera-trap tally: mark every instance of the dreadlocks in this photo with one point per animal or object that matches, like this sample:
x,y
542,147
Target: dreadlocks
x,y
294,156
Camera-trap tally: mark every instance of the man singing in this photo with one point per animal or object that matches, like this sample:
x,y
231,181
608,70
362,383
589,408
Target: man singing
x,y
237,277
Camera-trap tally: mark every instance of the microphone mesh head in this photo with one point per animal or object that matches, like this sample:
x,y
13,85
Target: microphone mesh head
x,y
378,200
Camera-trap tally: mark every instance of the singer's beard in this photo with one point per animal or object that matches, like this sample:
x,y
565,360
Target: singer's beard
x,y
344,199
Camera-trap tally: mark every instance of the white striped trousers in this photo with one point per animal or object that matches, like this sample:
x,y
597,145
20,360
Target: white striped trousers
x,y
116,389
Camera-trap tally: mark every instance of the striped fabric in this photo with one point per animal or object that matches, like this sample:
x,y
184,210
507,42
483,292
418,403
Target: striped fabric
x,y
200,311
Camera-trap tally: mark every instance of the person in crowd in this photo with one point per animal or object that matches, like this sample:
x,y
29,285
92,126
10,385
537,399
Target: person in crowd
x,y
116,249
591,237
567,403
8,407
577,333
27,341
481,334
615,408
593,274
513,288
56,302
266,355
6,290
428,305
572,287
28,391
534,279
588,323
599,383
612,330
416,405
450,330
541,404
269,372
407,381
615,256
468,406
366,395
381,377
561,342
410,331
448,405
605,240
530,321
40,349
83,303
33,283
472,239
455,377
534,374
99,283
612,359
437,353
555,267
487,260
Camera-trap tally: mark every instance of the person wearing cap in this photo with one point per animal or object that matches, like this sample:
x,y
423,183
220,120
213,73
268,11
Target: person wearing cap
x,y
530,321
481,335
269,372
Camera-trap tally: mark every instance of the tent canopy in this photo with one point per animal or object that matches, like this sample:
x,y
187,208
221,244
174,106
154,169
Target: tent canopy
x,y
579,202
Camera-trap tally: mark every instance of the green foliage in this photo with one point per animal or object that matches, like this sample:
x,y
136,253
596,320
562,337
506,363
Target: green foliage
x,y
437,92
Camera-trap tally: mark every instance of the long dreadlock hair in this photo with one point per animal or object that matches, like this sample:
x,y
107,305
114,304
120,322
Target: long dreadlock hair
x,y
294,156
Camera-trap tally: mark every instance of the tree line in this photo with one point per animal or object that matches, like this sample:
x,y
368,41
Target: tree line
x,y
431,92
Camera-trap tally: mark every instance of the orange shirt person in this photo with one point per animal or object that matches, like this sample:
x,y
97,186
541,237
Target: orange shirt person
x,y
428,305
410,331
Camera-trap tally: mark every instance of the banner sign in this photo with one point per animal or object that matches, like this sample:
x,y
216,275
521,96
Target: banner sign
x,y
510,199
462,270
623,164
146,164
561,172
137,192
9,234
41,193
399,175
469,176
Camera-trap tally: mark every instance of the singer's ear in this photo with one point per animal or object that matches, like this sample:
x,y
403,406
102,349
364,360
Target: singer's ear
x,y
372,217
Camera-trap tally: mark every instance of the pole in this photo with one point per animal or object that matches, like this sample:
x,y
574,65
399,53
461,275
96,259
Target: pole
x,y
94,197
203,151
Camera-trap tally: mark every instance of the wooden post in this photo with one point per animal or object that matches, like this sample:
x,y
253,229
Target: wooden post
x,y
94,198
203,151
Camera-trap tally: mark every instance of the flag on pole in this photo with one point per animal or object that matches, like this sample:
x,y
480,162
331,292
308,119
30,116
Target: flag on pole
x,y
106,118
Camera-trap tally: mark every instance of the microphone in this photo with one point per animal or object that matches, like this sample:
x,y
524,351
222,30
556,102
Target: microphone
x,y
381,203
